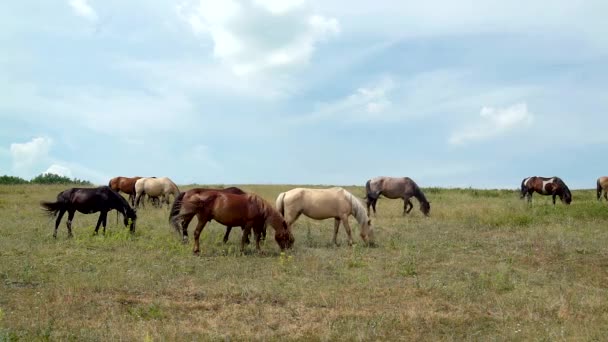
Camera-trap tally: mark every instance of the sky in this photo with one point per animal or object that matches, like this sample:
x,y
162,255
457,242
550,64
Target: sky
x,y
477,93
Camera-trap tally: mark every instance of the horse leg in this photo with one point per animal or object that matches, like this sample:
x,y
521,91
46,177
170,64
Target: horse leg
x,y
69,223
348,232
99,219
554,195
57,221
336,228
374,206
228,229
197,233
606,195
245,237
104,221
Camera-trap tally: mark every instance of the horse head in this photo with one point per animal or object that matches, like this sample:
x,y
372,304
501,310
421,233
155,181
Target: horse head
x,y
425,207
283,236
130,214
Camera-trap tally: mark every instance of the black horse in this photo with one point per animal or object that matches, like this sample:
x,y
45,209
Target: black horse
x,y
87,201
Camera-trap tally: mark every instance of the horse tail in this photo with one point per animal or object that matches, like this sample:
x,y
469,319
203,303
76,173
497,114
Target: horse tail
x,y
177,206
368,188
524,187
52,207
599,189
280,205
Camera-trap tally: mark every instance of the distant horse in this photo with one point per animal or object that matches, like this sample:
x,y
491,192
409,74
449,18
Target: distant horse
x,y
602,186
321,204
249,211
126,185
552,186
155,187
395,187
87,201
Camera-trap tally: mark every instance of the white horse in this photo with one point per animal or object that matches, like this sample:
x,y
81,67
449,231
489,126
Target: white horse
x,y
155,187
321,204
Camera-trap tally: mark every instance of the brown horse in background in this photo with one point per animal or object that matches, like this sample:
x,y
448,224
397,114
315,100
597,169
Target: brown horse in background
x,y
395,187
602,186
553,186
126,185
248,211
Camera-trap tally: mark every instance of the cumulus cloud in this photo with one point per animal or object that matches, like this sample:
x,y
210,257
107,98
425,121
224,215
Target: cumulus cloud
x,y
28,155
59,170
493,122
83,9
252,36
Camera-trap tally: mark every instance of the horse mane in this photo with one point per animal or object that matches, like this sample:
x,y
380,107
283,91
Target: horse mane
x,y
127,208
358,210
419,194
263,206
565,187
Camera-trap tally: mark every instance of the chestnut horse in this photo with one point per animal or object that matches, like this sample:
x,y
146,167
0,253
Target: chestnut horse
x,y
321,204
552,186
395,187
602,186
126,185
248,211
87,201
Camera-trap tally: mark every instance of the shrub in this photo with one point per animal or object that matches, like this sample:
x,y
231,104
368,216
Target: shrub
x,y
12,180
51,178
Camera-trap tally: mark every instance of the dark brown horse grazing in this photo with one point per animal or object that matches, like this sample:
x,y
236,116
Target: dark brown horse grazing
x,y
87,201
552,186
126,185
248,211
602,186
395,187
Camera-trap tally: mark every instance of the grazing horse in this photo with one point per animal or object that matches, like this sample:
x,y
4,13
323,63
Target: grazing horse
x,y
602,186
553,186
249,211
126,185
87,201
321,204
395,187
155,187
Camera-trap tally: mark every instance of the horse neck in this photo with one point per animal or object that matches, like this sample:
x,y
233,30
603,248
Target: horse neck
x,y
419,195
357,210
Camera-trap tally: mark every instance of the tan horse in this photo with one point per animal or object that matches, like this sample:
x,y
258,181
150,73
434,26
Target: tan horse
x,y
602,185
155,187
126,185
321,204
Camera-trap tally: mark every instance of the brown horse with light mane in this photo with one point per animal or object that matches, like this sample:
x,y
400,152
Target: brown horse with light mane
x,y
395,187
126,185
248,211
602,186
553,186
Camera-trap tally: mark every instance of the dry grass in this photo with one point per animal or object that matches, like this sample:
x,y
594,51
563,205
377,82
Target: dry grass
x,y
484,266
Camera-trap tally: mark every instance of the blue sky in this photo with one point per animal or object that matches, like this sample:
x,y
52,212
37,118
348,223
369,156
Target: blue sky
x,y
449,93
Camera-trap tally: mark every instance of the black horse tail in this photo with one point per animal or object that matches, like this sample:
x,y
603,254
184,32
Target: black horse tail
x,y
524,188
177,206
599,189
368,189
52,207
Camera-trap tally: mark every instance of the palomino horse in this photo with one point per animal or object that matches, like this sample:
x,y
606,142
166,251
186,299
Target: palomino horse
x,y
321,204
395,187
87,201
249,211
155,187
126,185
602,186
553,186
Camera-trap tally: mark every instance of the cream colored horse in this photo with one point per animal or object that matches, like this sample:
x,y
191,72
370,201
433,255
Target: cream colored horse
x,y
155,187
321,204
602,186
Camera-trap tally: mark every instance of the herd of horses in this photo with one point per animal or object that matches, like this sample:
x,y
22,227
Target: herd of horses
x,y
233,207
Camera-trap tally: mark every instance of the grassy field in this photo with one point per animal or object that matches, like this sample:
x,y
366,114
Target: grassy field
x,y
483,266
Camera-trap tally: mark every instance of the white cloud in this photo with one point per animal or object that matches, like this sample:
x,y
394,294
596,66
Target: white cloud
x,y
493,122
254,36
366,102
28,155
59,170
82,9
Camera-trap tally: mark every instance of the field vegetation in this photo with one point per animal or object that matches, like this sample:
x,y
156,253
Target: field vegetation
x,y
483,266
